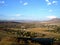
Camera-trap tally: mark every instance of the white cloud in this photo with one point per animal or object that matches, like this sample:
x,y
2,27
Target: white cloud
x,y
47,0
18,15
51,17
54,2
25,3
49,3
2,2
14,17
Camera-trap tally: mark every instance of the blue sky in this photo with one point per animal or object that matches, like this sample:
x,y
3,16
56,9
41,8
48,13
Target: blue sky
x,y
29,9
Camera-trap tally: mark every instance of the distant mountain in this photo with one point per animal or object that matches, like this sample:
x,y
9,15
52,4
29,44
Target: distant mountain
x,y
52,21
55,20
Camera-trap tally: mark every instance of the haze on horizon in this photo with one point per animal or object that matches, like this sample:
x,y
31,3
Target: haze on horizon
x,y
29,9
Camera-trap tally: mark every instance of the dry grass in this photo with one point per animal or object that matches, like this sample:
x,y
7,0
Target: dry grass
x,y
43,31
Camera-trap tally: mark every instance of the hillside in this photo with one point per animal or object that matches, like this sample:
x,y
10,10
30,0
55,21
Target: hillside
x,y
10,31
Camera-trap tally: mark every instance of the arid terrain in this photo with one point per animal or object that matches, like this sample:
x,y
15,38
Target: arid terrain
x,y
11,30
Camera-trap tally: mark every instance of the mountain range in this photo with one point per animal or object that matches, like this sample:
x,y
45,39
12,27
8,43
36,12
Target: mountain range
x,y
52,21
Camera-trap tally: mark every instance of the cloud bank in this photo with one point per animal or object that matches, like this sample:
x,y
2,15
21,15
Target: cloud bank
x,y
51,2
51,17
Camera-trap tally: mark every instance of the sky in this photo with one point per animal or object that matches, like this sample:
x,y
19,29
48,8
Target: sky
x,y
29,9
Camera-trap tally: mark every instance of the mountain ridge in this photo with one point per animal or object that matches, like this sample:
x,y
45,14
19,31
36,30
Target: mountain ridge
x,y
55,20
